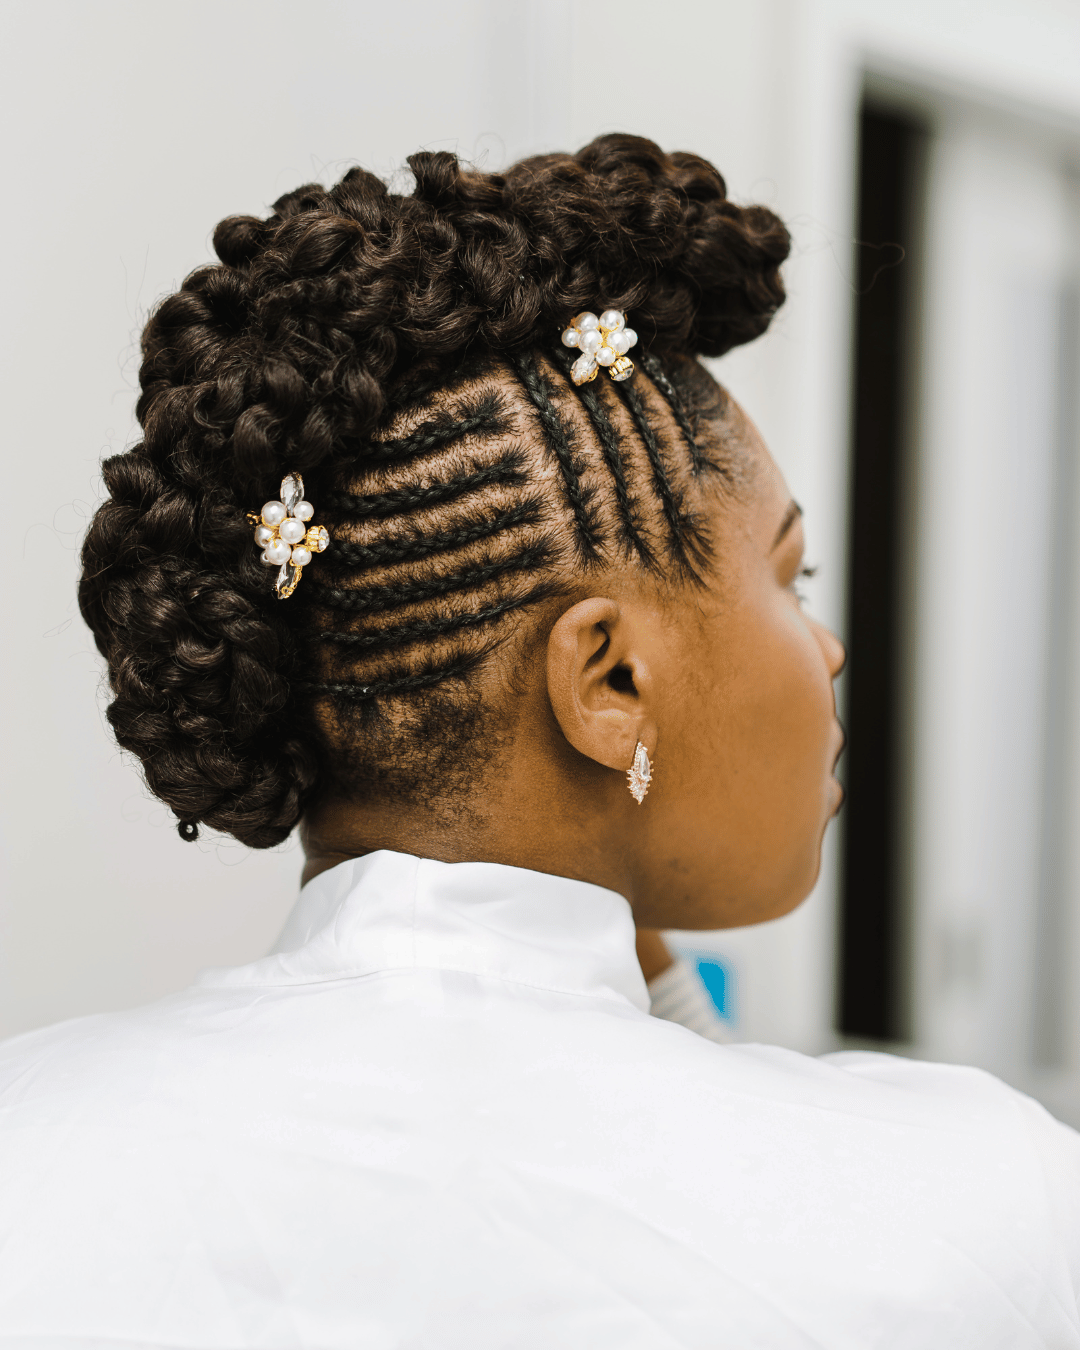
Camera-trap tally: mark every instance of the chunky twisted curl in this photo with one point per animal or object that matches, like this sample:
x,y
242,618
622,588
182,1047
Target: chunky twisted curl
x,y
317,328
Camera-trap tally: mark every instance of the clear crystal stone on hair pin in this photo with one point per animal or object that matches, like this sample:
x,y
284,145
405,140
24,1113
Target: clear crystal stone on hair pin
x,y
602,341
285,537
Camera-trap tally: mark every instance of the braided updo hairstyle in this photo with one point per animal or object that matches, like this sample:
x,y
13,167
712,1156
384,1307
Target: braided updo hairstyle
x,y
402,354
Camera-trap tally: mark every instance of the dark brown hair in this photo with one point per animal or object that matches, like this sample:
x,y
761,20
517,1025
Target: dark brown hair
x,y
401,352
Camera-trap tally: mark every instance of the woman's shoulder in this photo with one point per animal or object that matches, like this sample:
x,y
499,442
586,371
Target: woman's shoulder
x,y
101,1057
963,1097
960,1093
897,1087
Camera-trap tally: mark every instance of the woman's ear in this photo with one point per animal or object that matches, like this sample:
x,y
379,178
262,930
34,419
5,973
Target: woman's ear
x,y
599,682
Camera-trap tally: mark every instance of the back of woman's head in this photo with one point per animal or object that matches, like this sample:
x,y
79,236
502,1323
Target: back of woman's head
x,y
402,354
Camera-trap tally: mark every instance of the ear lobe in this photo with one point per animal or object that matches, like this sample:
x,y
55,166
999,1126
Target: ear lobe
x,y
599,683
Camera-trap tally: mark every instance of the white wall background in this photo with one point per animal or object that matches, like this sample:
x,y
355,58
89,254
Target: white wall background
x,y
132,128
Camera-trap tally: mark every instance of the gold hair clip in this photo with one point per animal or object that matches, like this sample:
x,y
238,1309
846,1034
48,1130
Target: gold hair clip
x,y
602,341
286,539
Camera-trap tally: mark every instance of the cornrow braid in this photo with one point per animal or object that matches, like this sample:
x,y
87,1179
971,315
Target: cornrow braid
x,y
611,449
680,525
402,634
400,682
485,413
658,375
507,470
416,546
558,437
469,577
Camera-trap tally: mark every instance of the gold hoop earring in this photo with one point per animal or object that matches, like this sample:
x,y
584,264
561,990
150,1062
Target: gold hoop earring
x,y
639,774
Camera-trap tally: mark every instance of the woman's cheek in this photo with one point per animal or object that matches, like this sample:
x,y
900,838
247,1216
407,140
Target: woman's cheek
x,y
801,714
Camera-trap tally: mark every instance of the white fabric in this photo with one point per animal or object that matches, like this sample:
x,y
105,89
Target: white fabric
x,y
440,1118
677,995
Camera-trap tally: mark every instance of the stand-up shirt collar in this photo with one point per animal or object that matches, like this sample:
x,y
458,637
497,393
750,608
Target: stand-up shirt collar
x,y
391,911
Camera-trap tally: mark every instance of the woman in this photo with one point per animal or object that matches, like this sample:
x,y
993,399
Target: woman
x,y
551,676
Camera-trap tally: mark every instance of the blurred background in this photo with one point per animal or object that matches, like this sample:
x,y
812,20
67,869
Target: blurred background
x,y
919,391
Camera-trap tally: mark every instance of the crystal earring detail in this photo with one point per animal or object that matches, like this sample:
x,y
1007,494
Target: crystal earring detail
x,y
285,537
639,775
602,341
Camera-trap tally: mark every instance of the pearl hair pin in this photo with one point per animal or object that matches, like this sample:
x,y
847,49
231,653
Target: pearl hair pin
x,y
284,536
602,341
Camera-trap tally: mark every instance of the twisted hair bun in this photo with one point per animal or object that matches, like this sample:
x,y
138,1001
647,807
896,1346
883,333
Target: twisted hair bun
x,y
286,356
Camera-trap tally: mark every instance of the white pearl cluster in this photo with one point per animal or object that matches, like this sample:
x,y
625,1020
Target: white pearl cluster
x,y
283,534
602,341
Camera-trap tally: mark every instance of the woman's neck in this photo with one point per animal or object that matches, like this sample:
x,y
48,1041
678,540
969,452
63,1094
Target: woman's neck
x,y
335,830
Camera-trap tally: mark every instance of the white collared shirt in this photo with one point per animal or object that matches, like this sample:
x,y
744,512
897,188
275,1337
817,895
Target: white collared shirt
x,y
439,1117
